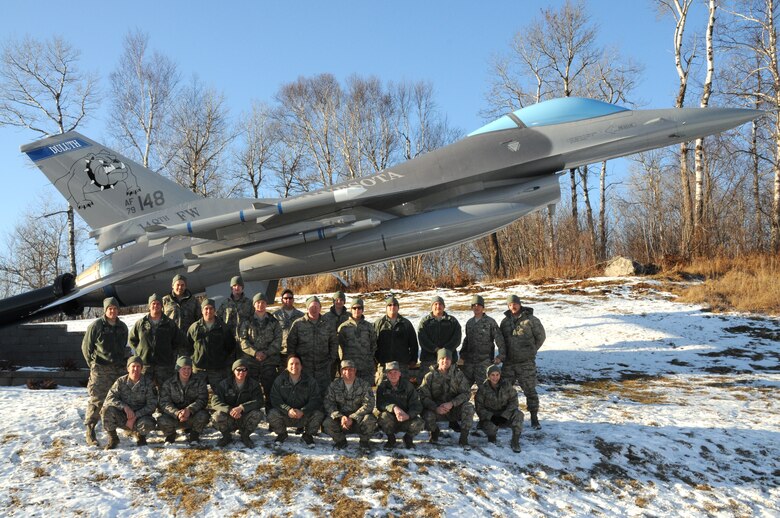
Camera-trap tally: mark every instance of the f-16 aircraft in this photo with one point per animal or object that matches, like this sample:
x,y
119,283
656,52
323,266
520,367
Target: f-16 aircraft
x,y
457,193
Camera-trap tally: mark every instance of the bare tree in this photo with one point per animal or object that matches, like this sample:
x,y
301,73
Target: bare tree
x,y
42,88
34,250
682,62
309,107
200,133
260,135
698,218
143,86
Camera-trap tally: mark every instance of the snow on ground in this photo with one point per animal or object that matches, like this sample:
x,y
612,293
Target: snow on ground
x,y
649,407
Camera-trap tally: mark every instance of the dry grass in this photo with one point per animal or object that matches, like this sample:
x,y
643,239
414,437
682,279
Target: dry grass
x,y
745,284
190,479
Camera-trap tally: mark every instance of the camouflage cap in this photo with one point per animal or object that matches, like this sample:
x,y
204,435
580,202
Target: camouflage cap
x,y
477,300
237,281
390,300
347,364
208,302
436,299
312,298
259,296
183,361
134,359
178,277
339,295
239,363
392,366
492,368
154,298
110,301
443,353
513,299
357,302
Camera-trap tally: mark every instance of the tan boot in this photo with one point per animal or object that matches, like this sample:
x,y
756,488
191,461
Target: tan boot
x,y
91,437
113,440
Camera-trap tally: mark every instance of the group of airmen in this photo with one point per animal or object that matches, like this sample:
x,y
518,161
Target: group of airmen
x,y
309,371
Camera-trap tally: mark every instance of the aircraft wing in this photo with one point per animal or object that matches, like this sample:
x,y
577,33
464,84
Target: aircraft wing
x,y
100,283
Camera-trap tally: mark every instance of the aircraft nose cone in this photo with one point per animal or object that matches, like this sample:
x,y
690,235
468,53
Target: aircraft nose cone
x,y
707,121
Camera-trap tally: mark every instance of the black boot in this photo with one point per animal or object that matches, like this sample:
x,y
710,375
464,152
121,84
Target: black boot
x,y
435,436
91,437
515,444
408,442
464,440
390,444
535,419
193,436
113,440
225,439
248,442
170,438
140,440
455,426
492,438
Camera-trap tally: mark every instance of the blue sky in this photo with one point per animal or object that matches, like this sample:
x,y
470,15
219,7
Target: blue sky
x,y
247,49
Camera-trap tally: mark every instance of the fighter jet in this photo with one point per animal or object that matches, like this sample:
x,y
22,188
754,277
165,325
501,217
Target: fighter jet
x,y
475,186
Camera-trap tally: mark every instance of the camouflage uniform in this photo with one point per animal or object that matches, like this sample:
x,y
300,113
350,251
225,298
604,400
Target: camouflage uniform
x,y
175,396
357,342
184,311
404,396
358,404
479,347
158,346
262,335
103,347
304,395
286,322
235,312
498,407
212,350
315,342
334,319
435,334
437,388
228,395
395,342
523,336
138,396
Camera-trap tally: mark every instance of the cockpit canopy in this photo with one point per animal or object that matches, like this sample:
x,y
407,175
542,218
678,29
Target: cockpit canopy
x,y
554,111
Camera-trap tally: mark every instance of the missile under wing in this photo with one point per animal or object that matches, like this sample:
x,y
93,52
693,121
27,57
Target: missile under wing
x,y
454,194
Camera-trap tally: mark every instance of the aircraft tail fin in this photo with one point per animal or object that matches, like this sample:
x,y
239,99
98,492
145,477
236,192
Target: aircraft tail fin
x,y
103,186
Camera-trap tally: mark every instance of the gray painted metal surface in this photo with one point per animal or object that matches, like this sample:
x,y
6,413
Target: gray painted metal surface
x,y
454,194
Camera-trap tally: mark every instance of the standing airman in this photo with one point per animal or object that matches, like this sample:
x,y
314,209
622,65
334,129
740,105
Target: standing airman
x,y
396,340
357,342
180,305
158,341
103,346
237,308
261,345
523,336
437,330
314,341
482,337
212,345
